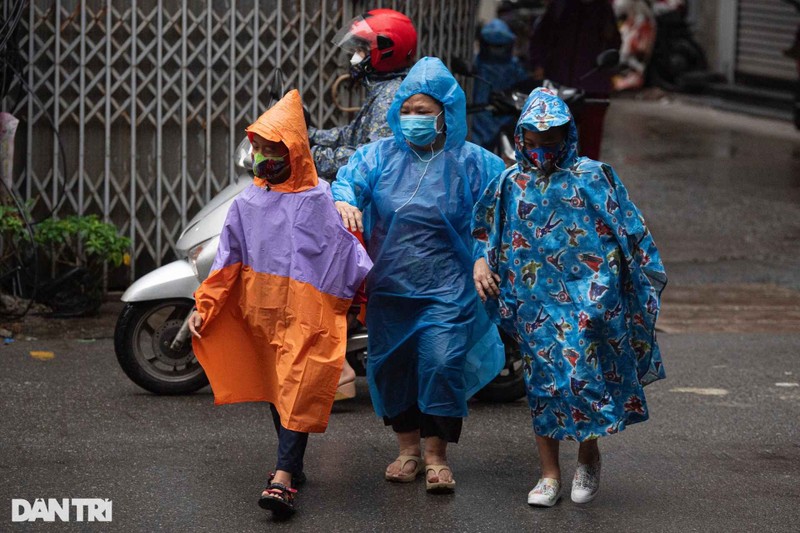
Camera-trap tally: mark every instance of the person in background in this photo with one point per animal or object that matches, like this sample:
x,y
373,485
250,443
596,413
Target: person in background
x,y
382,44
496,69
564,47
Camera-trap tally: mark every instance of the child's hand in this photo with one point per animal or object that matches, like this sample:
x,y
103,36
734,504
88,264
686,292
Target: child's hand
x,y
195,323
486,281
351,216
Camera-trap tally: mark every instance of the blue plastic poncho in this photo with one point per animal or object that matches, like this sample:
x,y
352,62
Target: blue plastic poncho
x,y
580,286
430,341
496,69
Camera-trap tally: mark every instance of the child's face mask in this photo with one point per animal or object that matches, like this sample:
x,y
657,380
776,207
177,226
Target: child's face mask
x,y
544,158
268,167
419,130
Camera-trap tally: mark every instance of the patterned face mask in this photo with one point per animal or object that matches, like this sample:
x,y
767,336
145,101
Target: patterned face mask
x,y
268,167
544,158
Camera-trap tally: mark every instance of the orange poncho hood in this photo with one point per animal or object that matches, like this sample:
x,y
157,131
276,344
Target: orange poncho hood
x,y
285,122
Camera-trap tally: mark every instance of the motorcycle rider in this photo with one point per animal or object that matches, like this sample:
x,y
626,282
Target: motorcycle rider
x,y
382,43
496,69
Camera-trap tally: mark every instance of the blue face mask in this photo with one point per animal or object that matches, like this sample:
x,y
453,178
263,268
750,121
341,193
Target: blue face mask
x,y
419,130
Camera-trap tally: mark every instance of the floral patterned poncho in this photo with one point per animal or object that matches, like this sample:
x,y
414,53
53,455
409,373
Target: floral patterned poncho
x,y
580,284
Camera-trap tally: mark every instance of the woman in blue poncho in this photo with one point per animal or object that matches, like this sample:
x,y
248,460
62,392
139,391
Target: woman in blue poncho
x,y
568,268
431,345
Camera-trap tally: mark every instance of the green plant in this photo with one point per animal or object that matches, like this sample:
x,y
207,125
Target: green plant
x,y
11,223
83,241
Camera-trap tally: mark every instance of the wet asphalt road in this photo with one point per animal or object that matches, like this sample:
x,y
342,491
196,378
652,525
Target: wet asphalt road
x,y
721,194
720,191
74,426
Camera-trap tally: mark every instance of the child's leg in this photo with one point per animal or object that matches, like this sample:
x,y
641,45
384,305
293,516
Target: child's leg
x,y
586,482
588,452
547,491
291,451
548,457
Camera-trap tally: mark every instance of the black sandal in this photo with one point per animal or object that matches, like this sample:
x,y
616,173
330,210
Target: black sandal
x,y
278,498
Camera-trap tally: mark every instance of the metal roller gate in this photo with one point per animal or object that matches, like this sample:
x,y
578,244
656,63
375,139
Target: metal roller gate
x,y
151,97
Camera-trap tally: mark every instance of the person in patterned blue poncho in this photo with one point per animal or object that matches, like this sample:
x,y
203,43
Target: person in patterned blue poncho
x,y
566,265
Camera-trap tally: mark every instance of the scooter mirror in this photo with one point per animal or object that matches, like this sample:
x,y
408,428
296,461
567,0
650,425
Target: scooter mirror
x,y
608,59
243,157
459,66
277,87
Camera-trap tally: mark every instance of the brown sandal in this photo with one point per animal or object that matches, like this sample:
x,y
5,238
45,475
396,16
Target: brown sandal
x,y
406,477
439,487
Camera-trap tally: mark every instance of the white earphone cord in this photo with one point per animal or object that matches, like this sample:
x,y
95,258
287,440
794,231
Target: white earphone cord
x,y
427,163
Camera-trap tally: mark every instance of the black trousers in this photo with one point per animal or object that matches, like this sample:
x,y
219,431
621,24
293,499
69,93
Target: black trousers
x,y
291,446
447,428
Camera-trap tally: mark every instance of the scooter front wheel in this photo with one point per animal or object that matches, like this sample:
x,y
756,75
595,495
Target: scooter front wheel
x,y
143,342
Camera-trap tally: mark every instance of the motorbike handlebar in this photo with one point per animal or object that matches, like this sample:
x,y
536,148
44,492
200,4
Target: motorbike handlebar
x,y
605,102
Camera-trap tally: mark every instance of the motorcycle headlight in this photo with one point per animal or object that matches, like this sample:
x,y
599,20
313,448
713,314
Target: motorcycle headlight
x,y
194,253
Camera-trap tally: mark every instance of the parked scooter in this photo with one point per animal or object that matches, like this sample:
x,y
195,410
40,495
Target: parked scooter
x,y
511,102
673,59
152,340
678,62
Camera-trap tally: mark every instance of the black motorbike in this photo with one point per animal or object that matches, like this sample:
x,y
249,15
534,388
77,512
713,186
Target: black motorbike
x,y
678,62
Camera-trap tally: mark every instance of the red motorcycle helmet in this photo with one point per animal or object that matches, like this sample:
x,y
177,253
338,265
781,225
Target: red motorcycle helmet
x,y
388,35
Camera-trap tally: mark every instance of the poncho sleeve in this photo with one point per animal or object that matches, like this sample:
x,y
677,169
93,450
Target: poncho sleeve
x,y
210,297
644,278
352,183
329,149
487,221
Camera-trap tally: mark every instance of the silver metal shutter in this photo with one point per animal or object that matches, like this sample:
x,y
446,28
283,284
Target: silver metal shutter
x,y
151,97
766,28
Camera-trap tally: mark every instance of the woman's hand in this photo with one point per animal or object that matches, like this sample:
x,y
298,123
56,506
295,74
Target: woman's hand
x,y
486,281
351,216
195,323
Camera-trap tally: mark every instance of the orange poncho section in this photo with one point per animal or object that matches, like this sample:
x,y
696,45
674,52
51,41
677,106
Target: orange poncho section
x,y
274,306
252,352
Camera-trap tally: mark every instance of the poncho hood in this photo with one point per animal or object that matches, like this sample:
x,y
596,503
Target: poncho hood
x,y
285,122
544,110
496,32
430,76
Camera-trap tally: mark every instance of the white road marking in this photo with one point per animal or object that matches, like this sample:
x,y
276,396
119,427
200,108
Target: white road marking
x,y
701,391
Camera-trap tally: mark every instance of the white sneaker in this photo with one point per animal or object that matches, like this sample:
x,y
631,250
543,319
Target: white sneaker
x,y
586,482
546,493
